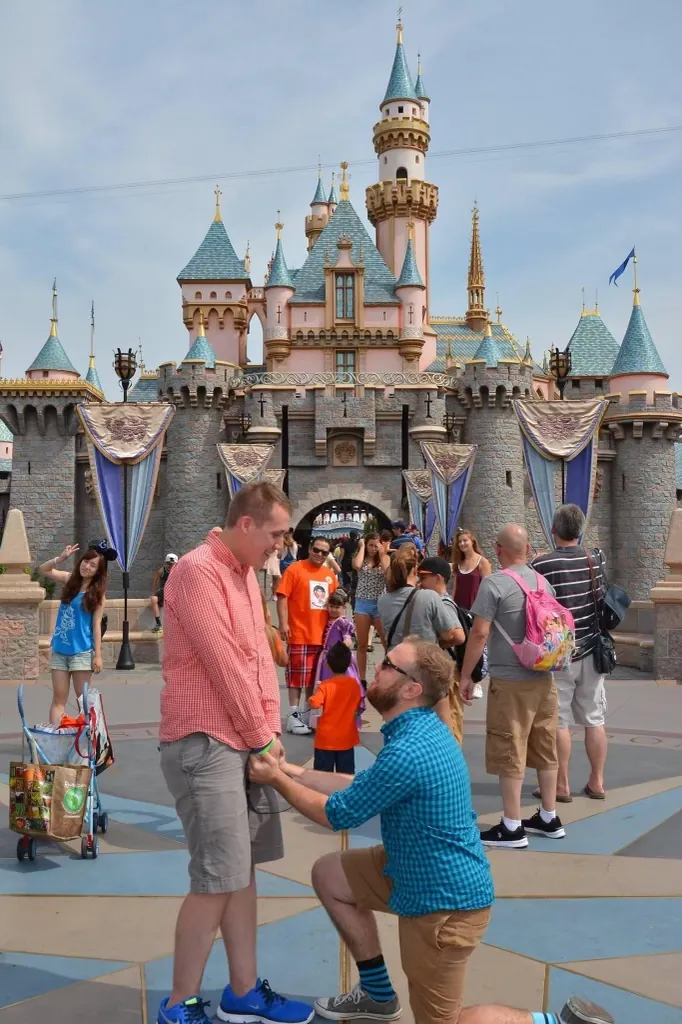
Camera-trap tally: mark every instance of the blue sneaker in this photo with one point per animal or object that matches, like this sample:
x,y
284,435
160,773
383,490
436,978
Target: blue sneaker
x,y
189,1012
262,1005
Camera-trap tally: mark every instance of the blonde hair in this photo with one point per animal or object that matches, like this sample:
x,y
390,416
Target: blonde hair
x,y
457,555
433,669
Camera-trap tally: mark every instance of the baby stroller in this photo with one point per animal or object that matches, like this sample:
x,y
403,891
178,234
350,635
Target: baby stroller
x,y
75,754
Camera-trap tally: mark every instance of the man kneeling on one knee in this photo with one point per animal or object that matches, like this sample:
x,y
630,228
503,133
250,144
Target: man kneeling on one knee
x,y
431,870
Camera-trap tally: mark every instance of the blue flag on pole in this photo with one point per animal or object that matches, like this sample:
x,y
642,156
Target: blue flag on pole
x,y
621,269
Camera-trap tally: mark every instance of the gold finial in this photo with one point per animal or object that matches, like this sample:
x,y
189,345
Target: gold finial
x,y
139,355
53,321
279,226
419,64
596,300
201,333
247,257
488,330
345,187
319,166
476,278
498,309
410,230
635,301
583,311
399,26
92,334
218,193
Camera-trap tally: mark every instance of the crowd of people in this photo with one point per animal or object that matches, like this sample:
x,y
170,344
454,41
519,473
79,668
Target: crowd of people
x,y
225,765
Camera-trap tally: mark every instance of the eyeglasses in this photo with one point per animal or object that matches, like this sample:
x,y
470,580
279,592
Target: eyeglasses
x,y
387,663
319,551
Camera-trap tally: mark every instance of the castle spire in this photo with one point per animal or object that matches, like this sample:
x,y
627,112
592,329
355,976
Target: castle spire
x,y
247,257
54,319
279,276
345,187
332,192
638,352
400,85
218,192
419,88
476,314
319,196
201,333
92,375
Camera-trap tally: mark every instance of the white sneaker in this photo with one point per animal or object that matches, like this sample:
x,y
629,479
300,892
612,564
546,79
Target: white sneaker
x,y
295,725
477,691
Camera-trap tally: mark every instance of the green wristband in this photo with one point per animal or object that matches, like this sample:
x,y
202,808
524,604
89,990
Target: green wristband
x,y
264,750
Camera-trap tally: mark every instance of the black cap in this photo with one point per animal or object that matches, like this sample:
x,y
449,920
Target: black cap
x,y
399,524
435,567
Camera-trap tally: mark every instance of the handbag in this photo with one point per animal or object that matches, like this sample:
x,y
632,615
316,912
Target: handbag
x,y
466,621
615,603
277,649
604,652
47,799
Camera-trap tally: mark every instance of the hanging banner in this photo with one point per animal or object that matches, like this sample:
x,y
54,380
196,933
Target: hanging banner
x,y
450,467
118,435
557,434
244,463
274,476
420,501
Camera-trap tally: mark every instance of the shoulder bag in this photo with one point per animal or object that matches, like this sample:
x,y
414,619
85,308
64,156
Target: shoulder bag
x,y
615,603
604,652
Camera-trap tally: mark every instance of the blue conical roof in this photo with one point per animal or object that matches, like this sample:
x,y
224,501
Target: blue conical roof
x,y
201,348
279,275
6,435
592,346
400,85
332,195
92,376
52,357
419,86
489,351
638,353
319,196
410,276
215,259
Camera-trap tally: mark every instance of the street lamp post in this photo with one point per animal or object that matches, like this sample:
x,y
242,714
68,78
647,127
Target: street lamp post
x,y
449,422
125,365
560,365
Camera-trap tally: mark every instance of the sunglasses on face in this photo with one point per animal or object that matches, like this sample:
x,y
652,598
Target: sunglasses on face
x,y
319,551
387,663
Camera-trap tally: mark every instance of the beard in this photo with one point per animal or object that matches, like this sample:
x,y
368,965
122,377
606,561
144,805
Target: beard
x,y
383,700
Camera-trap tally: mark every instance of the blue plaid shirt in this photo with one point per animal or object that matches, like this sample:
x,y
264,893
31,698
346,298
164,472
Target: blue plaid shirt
x,y
419,784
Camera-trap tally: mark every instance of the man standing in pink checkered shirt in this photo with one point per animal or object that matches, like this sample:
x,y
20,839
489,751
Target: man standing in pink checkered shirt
x,y
220,704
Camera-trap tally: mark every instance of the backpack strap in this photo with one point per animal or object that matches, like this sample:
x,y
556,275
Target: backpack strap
x,y
540,581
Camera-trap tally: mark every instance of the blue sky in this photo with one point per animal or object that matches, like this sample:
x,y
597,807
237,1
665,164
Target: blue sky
x,y
101,94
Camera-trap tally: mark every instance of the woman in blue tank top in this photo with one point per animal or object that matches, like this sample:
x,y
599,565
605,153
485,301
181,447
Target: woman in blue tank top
x,y
77,640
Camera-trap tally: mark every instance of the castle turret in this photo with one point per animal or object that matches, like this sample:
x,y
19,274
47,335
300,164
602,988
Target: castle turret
x,y
92,375
410,290
593,352
279,289
401,140
486,389
216,283
420,91
645,422
40,410
332,201
476,314
318,219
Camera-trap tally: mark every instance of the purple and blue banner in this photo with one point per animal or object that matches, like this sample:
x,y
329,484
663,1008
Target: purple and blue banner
x,y
245,464
420,501
119,435
450,467
556,433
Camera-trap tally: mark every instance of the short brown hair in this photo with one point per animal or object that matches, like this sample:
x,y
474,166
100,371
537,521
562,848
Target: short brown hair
x,y
257,501
433,668
398,572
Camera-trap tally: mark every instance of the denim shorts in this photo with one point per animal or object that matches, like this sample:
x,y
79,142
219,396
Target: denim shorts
x,y
71,662
364,607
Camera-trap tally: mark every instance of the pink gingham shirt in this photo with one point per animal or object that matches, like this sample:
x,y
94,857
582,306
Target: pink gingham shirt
x,y
218,671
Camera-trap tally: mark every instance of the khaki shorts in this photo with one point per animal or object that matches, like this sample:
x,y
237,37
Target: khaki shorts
x,y
71,662
520,727
582,694
434,948
226,833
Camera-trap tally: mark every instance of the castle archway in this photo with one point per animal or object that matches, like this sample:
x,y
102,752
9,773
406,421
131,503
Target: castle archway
x,y
336,515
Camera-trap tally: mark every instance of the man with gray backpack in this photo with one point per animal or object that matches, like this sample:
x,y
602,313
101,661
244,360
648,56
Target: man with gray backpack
x,y
529,635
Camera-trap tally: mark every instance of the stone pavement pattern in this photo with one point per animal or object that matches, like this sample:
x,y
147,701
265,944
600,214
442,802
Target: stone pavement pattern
x,y
599,913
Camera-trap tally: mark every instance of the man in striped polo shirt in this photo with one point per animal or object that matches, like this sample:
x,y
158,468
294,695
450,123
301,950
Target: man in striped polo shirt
x,y
582,694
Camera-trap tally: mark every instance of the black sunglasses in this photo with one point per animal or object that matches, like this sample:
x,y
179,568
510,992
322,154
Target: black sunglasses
x,y
387,663
319,551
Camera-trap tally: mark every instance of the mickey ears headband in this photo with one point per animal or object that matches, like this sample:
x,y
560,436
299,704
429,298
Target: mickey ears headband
x,y
102,548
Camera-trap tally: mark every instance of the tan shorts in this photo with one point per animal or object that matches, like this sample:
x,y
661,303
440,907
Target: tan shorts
x,y
227,834
582,694
520,727
434,948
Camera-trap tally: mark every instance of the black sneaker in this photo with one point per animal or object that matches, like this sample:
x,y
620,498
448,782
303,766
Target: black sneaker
x,y
579,1011
539,827
501,836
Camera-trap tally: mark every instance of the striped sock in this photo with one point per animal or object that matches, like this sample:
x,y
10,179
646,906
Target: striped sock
x,y
375,980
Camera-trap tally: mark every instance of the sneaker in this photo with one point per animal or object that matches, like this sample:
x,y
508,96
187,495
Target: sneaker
x,y
264,1005
537,826
157,629
296,725
356,1004
502,837
477,692
579,1011
189,1012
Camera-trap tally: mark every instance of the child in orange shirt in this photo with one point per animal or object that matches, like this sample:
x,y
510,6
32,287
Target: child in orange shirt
x,y
339,699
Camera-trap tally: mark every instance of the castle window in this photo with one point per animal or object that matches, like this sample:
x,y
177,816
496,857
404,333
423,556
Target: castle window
x,y
508,478
599,385
345,297
214,295
197,295
46,373
305,318
385,159
414,112
575,384
401,110
416,159
345,362
401,174
228,295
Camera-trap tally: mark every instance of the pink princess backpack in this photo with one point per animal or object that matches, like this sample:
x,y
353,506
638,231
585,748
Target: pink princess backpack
x,y
549,642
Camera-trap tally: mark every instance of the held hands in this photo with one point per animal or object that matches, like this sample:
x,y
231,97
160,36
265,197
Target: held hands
x,y
284,632
466,689
263,768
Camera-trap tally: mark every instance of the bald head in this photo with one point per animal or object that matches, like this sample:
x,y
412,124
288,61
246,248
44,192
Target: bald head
x,y
513,544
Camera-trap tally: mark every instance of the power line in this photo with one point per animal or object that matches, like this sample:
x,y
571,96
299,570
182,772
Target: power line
x,y
300,168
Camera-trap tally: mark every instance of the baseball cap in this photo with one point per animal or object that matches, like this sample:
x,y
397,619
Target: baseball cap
x,y
399,524
171,558
436,567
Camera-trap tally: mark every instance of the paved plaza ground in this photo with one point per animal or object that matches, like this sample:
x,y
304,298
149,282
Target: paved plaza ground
x,y
598,913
